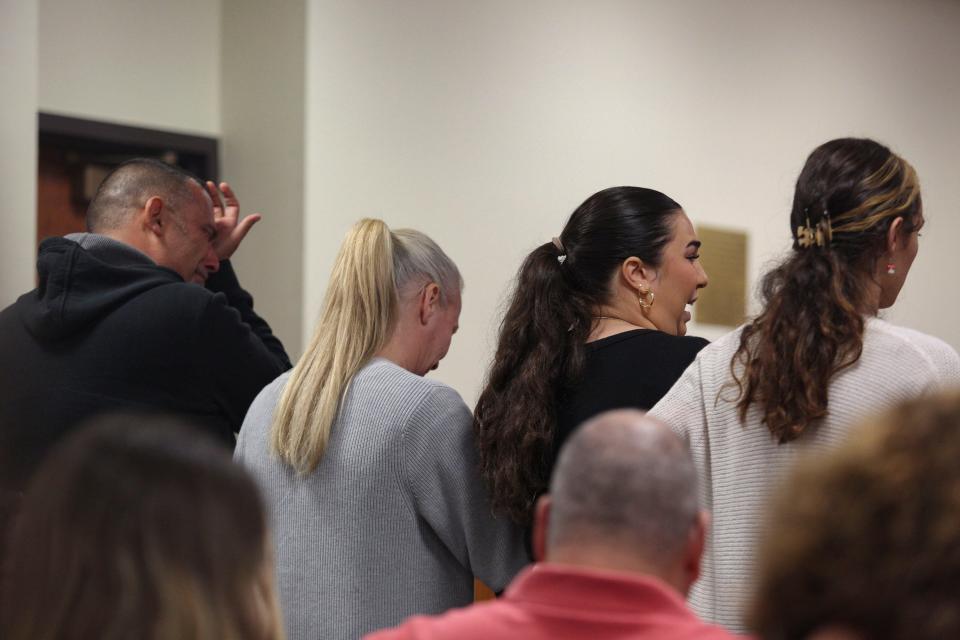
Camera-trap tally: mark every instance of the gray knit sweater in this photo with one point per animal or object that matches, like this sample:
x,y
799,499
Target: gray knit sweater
x,y
394,521
739,464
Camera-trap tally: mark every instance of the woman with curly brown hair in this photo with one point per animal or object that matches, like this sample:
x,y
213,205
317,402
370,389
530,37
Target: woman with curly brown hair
x,y
596,322
813,362
863,542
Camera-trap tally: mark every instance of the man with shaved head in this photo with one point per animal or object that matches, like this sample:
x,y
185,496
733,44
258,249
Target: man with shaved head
x,y
618,542
142,313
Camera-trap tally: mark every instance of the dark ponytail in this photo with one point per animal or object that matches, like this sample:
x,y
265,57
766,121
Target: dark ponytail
x,y
542,343
849,193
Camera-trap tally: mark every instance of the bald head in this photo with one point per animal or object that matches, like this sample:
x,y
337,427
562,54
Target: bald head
x,y
128,187
624,481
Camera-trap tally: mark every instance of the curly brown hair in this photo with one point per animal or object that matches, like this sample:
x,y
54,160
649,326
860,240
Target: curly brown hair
x,y
542,345
812,322
866,539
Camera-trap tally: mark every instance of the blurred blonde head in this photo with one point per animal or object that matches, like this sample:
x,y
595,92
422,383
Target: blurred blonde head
x,y
140,528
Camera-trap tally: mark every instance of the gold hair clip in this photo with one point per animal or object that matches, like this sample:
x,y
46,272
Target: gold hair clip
x,y
820,234
805,235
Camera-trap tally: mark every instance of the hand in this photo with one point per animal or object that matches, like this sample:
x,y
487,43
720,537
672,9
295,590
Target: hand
x,y
231,230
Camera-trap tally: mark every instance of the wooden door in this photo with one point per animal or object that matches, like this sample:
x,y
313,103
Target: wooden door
x,y
59,211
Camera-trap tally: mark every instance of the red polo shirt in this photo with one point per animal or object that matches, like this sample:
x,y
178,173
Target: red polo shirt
x,y
553,601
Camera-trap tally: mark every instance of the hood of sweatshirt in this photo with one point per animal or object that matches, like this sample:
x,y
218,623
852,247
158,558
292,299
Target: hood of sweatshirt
x,y
84,277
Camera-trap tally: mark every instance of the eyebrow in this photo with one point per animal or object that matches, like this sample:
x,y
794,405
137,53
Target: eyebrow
x,y
696,244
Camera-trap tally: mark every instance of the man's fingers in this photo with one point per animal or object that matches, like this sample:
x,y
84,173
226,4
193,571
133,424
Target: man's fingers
x,y
244,226
230,234
215,196
228,195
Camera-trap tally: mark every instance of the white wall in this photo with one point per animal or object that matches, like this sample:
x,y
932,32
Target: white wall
x,y
262,102
486,124
137,62
18,147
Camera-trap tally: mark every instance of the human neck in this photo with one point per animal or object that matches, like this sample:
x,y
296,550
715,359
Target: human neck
x,y
402,349
871,300
612,559
129,238
609,320
398,355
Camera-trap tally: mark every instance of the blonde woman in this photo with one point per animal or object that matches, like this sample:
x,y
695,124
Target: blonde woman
x,y
140,528
368,468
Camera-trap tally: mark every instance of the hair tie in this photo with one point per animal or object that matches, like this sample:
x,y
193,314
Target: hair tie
x,y
563,252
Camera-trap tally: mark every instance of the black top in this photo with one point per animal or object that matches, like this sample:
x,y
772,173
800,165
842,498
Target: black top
x,y
630,369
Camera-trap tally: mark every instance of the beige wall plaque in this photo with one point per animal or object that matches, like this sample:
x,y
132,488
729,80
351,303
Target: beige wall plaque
x,y
724,257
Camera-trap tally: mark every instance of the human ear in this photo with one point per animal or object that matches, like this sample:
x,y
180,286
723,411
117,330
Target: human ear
x,y
152,214
541,523
429,302
635,273
894,234
696,542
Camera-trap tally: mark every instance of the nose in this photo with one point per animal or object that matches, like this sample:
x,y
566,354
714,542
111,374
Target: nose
x,y
702,280
211,261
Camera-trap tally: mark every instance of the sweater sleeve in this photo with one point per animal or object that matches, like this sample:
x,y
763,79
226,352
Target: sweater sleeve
x,y
946,365
440,469
225,281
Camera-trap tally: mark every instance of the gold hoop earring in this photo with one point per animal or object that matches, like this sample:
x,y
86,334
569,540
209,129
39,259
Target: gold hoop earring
x,y
645,298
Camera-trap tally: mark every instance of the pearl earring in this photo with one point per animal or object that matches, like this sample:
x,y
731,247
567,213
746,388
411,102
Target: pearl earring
x,y
891,268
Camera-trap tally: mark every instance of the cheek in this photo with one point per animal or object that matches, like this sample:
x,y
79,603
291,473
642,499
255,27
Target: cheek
x,y
444,347
675,285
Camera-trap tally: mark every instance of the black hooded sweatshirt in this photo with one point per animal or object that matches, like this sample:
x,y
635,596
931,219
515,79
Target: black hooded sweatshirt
x,y
109,330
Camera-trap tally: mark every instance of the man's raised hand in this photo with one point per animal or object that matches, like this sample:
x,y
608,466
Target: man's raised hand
x,y
231,230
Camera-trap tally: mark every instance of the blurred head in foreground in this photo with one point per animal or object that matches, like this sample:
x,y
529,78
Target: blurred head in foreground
x,y
140,528
865,542
624,497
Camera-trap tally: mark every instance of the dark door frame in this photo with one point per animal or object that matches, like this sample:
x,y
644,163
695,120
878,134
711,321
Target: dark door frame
x,y
114,142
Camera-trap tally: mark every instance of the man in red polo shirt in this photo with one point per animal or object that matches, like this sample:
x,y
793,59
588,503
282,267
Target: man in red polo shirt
x,y
618,543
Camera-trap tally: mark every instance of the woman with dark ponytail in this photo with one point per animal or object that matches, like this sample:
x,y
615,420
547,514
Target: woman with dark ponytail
x,y
816,359
596,322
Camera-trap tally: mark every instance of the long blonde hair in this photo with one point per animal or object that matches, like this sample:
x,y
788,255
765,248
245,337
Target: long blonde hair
x,y
374,266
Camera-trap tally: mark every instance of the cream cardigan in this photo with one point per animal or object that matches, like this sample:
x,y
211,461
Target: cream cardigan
x,y
739,464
